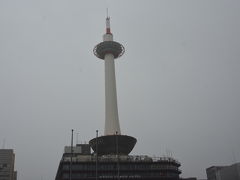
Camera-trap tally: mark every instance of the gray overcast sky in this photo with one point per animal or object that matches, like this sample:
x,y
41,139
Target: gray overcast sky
x,y
178,82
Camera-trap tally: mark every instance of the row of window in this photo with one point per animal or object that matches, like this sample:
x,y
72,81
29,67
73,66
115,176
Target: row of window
x,y
121,166
3,165
4,175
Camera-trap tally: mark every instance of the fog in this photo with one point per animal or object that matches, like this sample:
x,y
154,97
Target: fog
x,y
178,82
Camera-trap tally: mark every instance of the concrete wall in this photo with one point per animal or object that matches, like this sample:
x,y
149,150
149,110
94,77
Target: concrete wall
x,y
224,172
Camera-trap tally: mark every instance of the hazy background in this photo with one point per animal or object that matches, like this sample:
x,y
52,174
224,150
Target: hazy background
x,y
178,82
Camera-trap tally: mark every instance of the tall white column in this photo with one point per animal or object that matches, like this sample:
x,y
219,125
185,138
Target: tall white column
x,y
111,110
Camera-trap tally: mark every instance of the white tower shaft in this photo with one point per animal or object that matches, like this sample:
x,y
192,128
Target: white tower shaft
x,y
112,125
111,109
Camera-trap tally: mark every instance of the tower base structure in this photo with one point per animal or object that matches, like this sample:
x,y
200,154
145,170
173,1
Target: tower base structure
x,y
87,166
113,144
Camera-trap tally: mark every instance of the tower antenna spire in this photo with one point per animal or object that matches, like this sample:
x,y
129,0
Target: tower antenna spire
x,y
108,30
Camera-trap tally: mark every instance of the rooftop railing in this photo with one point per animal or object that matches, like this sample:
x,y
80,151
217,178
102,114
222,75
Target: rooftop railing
x,y
121,158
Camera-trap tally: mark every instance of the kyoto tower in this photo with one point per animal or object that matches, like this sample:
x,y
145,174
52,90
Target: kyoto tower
x,y
112,142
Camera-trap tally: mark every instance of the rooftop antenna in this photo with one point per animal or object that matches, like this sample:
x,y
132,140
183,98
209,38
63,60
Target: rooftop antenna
x,y
96,154
4,142
70,167
77,134
234,157
107,12
169,153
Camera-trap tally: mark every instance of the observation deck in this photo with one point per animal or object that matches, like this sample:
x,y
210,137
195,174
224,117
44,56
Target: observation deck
x,y
108,47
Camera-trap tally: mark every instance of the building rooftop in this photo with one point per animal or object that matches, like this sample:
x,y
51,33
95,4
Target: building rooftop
x,y
121,158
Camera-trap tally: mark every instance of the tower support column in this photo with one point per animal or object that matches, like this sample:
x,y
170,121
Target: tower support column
x,y
111,109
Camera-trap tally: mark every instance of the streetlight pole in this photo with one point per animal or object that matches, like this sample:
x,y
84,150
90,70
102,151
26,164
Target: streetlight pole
x,y
71,156
118,165
96,154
